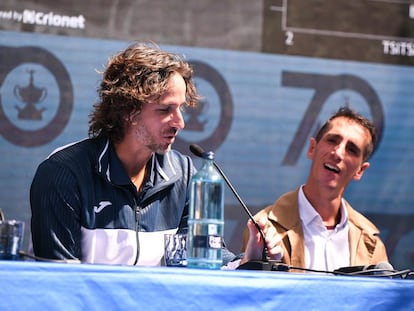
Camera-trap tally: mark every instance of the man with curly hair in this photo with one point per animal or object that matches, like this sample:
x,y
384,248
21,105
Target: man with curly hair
x,y
110,198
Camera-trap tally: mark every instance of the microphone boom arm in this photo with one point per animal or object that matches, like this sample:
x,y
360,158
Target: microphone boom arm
x,y
265,255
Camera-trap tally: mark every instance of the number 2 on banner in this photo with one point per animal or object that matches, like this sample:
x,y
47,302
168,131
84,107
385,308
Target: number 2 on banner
x,y
289,38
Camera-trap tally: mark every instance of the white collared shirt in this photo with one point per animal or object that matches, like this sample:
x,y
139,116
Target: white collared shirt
x,y
325,250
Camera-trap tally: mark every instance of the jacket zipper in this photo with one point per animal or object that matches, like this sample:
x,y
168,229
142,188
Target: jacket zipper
x,y
136,207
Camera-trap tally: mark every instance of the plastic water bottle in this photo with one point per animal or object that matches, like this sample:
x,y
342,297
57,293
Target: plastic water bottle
x,y
206,217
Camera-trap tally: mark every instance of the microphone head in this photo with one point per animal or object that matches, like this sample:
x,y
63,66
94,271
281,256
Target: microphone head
x,y
197,150
384,266
383,269
380,269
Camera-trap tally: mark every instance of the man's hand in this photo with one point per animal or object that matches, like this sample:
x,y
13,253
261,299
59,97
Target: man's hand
x,y
254,247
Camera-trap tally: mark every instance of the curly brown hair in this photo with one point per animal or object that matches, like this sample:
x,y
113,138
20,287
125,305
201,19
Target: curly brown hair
x,y
135,76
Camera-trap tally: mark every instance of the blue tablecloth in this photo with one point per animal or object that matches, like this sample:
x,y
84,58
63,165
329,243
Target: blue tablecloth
x,y
54,286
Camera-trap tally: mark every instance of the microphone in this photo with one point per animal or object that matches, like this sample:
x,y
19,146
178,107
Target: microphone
x,y
382,269
265,263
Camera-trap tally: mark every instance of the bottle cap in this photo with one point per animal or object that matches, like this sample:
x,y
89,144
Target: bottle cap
x,y
208,155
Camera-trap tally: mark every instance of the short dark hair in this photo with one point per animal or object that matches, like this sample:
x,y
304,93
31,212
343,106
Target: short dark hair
x,y
135,76
353,115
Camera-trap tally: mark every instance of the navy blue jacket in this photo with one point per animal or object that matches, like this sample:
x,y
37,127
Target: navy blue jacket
x,y
85,207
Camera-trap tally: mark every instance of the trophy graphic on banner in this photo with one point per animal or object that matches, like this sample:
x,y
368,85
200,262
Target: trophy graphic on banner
x,y
195,121
31,96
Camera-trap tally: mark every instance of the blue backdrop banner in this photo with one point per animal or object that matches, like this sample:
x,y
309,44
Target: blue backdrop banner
x,y
258,113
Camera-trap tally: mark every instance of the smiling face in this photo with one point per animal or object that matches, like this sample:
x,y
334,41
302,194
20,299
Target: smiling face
x,y
338,156
158,123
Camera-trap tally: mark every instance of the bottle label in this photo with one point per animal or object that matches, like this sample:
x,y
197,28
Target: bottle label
x,y
208,241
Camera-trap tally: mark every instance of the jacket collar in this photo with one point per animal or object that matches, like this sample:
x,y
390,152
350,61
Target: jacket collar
x,y
109,166
287,213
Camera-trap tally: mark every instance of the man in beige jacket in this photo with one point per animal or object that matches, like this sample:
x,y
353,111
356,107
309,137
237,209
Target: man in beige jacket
x,y
314,227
